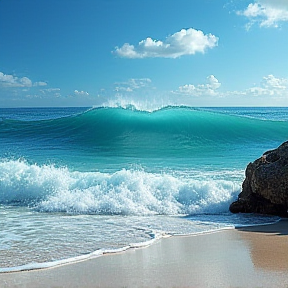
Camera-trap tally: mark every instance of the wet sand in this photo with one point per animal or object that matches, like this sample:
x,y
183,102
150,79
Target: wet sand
x,y
246,257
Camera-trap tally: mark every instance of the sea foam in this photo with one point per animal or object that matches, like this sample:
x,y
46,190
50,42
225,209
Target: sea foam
x,y
48,188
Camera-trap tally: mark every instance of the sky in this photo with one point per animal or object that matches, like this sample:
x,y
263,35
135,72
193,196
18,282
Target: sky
x,y
153,52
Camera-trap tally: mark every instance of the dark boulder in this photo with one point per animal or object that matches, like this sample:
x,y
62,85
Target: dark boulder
x,y
265,188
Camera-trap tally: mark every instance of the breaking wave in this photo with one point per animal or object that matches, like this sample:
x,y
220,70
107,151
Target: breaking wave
x,y
125,192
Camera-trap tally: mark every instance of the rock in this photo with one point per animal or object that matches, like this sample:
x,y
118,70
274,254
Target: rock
x,y
265,188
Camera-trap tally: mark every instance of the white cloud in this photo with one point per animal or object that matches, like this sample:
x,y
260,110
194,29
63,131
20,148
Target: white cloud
x,y
270,90
49,90
213,82
13,81
10,81
268,13
132,84
40,83
184,42
6,78
83,93
139,83
208,89
125,89
271,81
270,86
25,81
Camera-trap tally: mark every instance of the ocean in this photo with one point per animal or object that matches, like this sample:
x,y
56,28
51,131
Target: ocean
x,y
76,183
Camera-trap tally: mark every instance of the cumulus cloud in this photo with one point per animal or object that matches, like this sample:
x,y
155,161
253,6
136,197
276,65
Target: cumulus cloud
x,y
208,89
185,42
270,89
267,13
25,81
270,86
7,80
12,81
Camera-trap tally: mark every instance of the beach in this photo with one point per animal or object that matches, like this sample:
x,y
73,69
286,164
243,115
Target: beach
x,y
244,257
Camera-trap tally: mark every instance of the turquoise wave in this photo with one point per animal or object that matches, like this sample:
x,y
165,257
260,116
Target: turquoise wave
x,y
176,130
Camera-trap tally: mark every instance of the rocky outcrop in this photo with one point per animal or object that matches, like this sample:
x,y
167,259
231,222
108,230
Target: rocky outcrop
x,y
265,188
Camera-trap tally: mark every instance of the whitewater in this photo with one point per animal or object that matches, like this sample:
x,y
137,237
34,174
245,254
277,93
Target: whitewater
x,y
80,182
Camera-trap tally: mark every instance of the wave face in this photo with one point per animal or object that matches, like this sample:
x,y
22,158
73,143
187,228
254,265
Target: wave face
x,y
176,131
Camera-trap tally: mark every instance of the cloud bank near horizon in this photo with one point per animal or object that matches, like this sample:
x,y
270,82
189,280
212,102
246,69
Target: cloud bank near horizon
x,y
7,80
270,86
132,84
208,89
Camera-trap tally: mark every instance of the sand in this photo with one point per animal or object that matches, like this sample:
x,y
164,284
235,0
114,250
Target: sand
x,y
247,257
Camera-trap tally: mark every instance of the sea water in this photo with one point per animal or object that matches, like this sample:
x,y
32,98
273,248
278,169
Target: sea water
x,y
79,182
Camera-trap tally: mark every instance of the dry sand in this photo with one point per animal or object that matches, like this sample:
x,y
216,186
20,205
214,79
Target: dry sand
x,y
247,257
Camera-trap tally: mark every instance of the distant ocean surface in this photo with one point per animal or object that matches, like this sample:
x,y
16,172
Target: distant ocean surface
x,y
79,182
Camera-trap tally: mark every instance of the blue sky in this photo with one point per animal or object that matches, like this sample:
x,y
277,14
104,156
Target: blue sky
x,y
152,52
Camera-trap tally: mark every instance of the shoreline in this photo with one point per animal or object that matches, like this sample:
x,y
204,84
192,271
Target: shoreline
x,y
100,252
254,256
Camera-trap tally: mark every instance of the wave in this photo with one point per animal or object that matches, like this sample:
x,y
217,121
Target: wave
x,y
125,192
170,130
